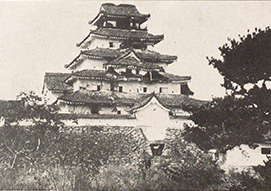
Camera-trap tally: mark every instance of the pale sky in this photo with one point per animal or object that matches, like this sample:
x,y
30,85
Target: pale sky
x,y
39,37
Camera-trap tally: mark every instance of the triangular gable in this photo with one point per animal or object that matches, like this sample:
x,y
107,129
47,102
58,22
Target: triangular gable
x,y
129,54
152,100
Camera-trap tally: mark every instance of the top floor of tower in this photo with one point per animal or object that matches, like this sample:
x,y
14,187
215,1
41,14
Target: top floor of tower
x,y
123,16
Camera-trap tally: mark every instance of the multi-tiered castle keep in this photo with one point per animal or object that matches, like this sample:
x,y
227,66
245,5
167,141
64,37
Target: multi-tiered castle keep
x,y
117,80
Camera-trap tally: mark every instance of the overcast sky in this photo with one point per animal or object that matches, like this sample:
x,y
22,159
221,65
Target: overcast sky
x,y
39,37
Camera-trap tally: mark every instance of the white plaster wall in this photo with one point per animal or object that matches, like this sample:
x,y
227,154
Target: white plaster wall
x,y
107,110
79,109
103,43
91,84
91,64
119,70
154,121
243,156
137,87
175,124
50,96
102,122
123,110
153,118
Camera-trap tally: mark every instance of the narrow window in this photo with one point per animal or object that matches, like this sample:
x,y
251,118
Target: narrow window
x,y
160,90
120,89
98,88
111,88
266,151
111,44
144,89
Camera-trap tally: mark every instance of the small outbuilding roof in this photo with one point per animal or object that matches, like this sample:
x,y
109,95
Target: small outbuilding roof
x,y
55,82
11,108
176,78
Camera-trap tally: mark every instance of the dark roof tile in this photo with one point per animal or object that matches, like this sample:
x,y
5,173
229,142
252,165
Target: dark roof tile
x,y
55,82
94,74
122,9
127,34
155,56
134,100
111,54
133,63
173,77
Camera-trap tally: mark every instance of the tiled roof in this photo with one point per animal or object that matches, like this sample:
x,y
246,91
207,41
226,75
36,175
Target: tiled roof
x,y
102,97
129,99
94,74
122,9
103,53
155,56
94,116
173,77
133,63
55,82
170,101
127,35
110,54
11,108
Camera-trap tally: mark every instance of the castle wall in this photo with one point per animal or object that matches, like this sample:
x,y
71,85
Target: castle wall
x,y
103,43
50,96
153,119
138,87
119,70
91,64
79,109
153,131
244,157
91,84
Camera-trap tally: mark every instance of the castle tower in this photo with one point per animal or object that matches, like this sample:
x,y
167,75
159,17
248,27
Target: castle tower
x,y
117,80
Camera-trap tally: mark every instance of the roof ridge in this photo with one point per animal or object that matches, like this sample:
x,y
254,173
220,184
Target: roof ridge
x,y
56,73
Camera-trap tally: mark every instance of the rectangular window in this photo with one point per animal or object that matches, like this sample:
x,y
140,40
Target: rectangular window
x,y
120,89
163,90
144,89
119,112
266,151
98,88
111,44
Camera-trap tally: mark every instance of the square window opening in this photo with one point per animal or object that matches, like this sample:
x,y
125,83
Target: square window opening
x,y
111,44
266,151
144,89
